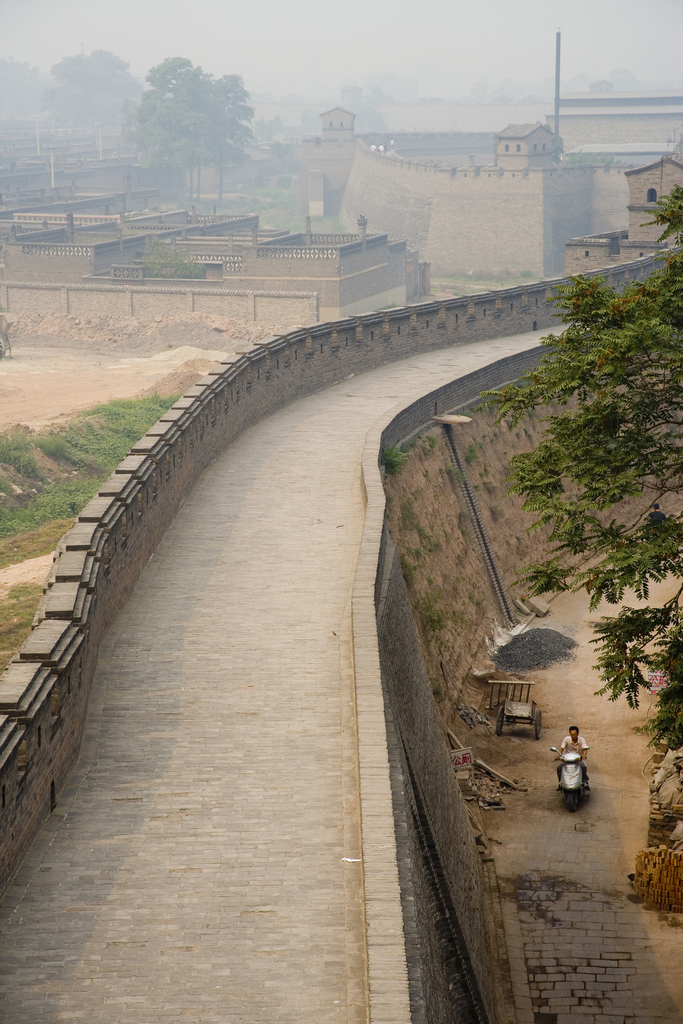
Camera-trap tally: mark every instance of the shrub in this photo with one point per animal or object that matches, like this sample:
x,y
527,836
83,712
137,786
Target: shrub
x,y
431,615
164,260
471,453
393,459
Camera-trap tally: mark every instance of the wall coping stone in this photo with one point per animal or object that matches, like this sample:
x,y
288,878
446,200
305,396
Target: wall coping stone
x,y
44,642
17,683
69,566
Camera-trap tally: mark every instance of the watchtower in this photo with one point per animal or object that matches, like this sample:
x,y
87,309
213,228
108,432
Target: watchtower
x,y
522,146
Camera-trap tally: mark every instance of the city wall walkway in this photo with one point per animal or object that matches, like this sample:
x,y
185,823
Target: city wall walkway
x,y
194,867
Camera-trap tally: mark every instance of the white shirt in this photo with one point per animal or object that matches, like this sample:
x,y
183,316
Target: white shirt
x,y
568,747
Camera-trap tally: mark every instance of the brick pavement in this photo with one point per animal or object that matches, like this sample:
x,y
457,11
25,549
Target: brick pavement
x,y
583,948
193,868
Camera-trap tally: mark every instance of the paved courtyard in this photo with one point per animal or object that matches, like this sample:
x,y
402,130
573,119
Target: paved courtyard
x,y
193,870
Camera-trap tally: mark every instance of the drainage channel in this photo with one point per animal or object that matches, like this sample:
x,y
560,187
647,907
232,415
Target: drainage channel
x,y
480,529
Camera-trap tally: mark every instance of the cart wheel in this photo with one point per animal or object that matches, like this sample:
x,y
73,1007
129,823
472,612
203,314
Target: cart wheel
x,y
500,718
537,725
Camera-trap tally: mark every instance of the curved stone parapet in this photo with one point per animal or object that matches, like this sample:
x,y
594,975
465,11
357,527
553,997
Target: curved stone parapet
x,y
44,692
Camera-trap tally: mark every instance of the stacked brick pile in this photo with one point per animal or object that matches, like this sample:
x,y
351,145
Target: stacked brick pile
x,y
659,878
662,823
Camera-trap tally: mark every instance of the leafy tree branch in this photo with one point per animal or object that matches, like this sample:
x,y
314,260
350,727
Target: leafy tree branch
x,y
613,446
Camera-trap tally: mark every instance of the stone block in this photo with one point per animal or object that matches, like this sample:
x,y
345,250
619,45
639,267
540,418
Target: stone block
x,y
538,606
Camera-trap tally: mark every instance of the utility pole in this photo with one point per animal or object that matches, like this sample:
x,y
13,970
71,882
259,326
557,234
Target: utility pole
x,y
37,139
558,45
52,167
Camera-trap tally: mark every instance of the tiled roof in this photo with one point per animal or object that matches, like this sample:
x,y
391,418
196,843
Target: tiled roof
x,y
519,131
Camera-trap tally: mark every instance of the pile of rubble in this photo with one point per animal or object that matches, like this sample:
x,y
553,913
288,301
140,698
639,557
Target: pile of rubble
x,y
666,802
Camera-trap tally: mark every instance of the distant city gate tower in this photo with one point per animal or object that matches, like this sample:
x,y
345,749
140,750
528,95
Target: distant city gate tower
x,y
326,164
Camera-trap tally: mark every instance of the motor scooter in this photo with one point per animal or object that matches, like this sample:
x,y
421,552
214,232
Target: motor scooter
x,y
571,779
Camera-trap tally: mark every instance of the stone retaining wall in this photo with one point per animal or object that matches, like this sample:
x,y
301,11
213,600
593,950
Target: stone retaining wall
x,y
44,692
94,299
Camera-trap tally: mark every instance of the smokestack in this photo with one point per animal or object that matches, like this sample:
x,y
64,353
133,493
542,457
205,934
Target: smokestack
x,y
558,46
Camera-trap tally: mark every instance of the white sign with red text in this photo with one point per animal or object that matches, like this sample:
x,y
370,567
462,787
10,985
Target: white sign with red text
x,y
461,758
658,680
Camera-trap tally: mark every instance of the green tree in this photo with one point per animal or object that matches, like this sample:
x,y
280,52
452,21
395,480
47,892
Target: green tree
x,y
171,122
613,448
164,260
187,119
229,130
90,89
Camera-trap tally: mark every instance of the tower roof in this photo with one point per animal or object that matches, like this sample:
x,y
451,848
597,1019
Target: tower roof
x,y
520,131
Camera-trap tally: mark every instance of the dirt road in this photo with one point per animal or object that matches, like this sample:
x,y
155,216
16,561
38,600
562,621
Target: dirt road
x,y
61,365
586,949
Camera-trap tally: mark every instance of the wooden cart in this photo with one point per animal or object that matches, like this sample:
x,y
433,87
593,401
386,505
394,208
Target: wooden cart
x,y
514,703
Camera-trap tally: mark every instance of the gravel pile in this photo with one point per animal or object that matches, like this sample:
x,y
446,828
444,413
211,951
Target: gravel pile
x,y
537,648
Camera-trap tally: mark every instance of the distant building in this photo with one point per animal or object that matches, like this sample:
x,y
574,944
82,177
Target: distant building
x,y
524,145
603,117
646,185
326,164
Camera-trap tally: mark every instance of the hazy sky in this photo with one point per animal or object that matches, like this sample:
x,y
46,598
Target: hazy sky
x,y
312,46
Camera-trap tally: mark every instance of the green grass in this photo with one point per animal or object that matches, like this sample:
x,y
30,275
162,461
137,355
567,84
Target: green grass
x,y
16,615
95,441
32,543
15,451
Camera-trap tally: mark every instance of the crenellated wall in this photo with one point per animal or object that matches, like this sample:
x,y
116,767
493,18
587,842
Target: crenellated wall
x,y
44,692
484,219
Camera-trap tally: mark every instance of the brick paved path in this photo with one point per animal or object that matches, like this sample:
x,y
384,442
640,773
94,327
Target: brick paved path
x,y
583,948
193,868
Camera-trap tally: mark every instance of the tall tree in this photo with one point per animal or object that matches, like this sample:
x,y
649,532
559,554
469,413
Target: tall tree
x,y
90,89
20,89
229,129
613,449
187,118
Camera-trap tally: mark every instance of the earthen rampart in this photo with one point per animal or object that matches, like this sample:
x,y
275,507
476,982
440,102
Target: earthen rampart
x,y
44,692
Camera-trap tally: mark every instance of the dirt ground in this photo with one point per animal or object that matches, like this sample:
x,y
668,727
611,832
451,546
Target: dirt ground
x,y
61,365
32,570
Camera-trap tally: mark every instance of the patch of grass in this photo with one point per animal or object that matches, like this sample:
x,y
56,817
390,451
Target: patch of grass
x,y
57,447
62,500
428,541
431,614
33,543
15,451
408,517
432,441
98,438
16,615
454,473
408,570
471,453
106,432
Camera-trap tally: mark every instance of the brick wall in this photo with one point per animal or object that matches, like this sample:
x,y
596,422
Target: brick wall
x,y
277,306
484,219
44,691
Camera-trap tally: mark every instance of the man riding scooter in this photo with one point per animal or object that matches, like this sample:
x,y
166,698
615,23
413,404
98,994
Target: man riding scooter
x,y
574,744
572,773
